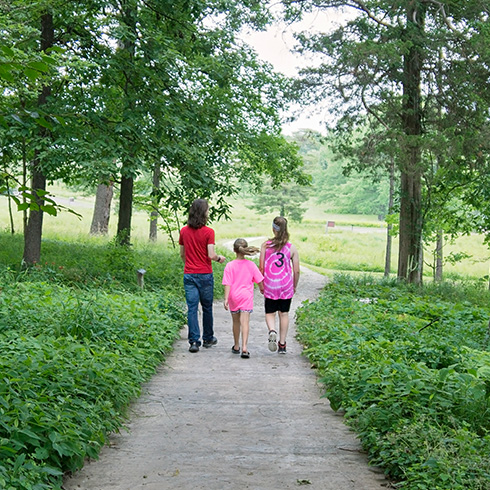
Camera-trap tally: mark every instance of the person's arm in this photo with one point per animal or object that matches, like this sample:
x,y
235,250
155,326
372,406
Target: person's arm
x,y
295,263
258,278
182,253
227,295
214,256
262,258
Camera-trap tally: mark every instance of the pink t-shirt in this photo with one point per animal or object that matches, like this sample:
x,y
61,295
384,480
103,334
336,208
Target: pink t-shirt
x,y
240,275
278,273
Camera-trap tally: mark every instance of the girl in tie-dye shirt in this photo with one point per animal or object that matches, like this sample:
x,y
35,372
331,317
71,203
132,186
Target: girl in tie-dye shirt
x,y
279,264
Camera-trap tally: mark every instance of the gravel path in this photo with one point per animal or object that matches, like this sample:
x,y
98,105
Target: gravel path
x,y
212,420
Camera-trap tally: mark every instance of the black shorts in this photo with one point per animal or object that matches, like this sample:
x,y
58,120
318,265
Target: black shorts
x,y
273,305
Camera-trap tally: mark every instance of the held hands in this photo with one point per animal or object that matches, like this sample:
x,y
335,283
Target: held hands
x,y
220,259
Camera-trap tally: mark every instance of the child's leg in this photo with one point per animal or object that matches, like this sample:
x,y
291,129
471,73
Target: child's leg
x,y
270,320
245,324
283,326
236,330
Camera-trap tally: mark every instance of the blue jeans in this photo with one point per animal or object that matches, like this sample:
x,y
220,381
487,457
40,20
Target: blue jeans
x,y
199,289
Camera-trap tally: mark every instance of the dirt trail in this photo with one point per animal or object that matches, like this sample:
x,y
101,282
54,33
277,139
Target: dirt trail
x,y
212,420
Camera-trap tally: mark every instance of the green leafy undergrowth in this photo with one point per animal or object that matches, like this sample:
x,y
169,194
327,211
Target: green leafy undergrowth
x,y
100,264
71,362
92,263
410,369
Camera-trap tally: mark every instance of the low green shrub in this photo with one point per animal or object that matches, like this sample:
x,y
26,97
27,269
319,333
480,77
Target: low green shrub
x,y
96,264
410,370
72,360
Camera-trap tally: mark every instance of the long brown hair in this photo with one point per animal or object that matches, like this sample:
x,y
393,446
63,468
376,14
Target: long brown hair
x,y
281,235
198,213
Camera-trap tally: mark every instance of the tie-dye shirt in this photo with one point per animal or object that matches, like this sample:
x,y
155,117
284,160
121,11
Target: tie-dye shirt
x,y
278,273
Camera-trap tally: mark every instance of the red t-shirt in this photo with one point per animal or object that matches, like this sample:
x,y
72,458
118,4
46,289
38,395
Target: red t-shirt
x,y
195,242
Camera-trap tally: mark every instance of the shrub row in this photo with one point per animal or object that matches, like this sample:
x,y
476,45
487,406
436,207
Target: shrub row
x,y
72,360
410,369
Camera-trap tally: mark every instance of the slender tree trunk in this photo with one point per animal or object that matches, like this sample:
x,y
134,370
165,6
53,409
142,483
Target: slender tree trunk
x,y
9,200
24,184
125,210
102,209
439,256
157,171
389,238
128,15
410,265
440,234
33,231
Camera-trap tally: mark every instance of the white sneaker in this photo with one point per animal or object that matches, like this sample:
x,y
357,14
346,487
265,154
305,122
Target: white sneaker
x,y
272,340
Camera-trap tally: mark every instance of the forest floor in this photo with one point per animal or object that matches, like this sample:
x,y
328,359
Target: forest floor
x,y
212,420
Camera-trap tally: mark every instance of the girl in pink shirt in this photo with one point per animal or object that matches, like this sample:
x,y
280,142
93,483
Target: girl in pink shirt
x,y
239,277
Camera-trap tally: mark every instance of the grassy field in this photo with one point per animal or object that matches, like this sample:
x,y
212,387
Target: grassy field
x,y
355,243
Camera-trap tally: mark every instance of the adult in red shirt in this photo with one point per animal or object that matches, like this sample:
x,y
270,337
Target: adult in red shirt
x,y
197,242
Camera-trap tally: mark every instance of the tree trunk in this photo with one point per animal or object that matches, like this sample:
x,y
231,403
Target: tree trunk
x,y
157,171
24,184
389,238
11,214
102,209
125,210
410,265
439,256
33,231
128,13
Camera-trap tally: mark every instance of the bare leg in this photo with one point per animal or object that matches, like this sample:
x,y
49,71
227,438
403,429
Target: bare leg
x,y
283,326
236,330
245,324
270,320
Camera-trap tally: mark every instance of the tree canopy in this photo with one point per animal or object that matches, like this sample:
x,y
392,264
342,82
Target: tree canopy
x,y
127,85
408,81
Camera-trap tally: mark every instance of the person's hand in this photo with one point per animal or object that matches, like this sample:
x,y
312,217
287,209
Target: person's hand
x,y
221,259
225,304
261,291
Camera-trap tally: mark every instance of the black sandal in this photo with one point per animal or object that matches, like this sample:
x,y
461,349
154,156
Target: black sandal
x,y
245,355
235,351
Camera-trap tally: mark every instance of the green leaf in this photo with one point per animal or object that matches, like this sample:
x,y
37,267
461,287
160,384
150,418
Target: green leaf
x,y
19,461
38,65
45,124
7,51
49,470
51,210
31,74
5,72
41,453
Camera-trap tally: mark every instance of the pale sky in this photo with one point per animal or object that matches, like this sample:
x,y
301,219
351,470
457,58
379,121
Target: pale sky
x,y
275,46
